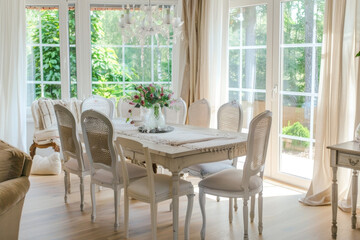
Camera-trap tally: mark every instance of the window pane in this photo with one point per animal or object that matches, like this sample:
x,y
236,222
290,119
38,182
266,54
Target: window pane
x,y
162,64
252,104
108,90
51,64
50,26
254,25
320,9
73,77
296,116
33,63
234,26
33,92
32,26
105,27
254,69
294,21
139,71
234,68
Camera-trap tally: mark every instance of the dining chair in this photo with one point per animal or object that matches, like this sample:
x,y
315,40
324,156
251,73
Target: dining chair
x,y
152,189
229,118
74,159
246,183
123,108
176,114
199,113
98,133
100,104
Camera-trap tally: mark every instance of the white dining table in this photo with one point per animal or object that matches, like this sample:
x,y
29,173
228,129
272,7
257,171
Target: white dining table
x,y
184,146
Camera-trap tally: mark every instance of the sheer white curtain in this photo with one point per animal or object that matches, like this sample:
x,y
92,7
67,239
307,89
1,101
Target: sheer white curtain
x,y
339,100
12,72
204,52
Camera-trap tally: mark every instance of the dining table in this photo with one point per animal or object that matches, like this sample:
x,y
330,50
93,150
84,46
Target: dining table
x,y
180,147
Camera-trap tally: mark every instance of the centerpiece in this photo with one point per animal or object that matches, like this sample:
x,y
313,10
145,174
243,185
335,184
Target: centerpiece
x,y
152,97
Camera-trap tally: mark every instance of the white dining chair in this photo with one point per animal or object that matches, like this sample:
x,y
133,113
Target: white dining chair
x,y
199,113
123,108
176,114
100,104
153,188
105,166
75,161
246,183
229,118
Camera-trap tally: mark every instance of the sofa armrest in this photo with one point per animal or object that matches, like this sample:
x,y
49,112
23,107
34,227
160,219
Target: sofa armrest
x,y
27,166
12,191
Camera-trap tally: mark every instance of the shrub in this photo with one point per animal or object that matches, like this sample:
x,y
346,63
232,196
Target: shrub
x,y
297,130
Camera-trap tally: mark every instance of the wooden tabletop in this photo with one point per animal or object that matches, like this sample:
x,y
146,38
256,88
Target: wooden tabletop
x,y
351,147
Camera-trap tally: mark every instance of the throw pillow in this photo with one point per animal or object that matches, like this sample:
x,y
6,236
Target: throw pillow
x,y
46,165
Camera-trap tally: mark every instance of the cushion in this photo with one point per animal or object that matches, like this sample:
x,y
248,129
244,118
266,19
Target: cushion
x,y
73,163
46,165
46,135
229,180
11,161
47,113
163,187
134,171
206,169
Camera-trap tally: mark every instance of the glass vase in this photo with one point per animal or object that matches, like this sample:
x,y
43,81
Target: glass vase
x,y
154,119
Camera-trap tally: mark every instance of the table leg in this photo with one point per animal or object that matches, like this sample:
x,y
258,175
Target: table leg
x,y
354,188
175,202
334,202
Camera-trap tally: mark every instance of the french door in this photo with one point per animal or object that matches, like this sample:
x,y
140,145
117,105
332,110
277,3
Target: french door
x,y
274,63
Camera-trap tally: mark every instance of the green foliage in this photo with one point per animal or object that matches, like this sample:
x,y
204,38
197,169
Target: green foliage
x,y
297,130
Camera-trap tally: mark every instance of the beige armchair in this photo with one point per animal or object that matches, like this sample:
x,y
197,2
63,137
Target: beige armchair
x,y
15,168
46,133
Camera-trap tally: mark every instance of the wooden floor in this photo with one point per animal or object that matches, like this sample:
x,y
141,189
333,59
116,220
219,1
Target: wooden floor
x,y
46,216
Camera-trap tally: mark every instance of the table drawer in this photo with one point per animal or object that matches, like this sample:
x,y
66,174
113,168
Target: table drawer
x,y
348,160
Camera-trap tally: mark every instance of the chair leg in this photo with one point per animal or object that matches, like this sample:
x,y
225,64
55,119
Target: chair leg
x,y
230,210
153,220
117,195
252,209
217,198
188,215
32,150
126,213
260,210
69,183
171,206
66,185
245,217
235,204
93,202
81,193
202,208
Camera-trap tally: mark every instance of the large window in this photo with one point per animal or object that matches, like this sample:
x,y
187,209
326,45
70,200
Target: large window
x,y
43,53
274,63
52,69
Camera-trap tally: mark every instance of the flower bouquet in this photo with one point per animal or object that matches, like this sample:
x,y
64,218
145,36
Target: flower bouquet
x,y
151,97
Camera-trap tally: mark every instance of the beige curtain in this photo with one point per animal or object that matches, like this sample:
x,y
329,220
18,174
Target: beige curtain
x,y
206,56
338,110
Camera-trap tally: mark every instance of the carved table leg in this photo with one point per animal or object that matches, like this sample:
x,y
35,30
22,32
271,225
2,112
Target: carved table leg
x,y
354,188
334,202
175,201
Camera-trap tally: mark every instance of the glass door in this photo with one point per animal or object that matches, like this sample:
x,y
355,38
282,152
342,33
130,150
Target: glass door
x,y
299,54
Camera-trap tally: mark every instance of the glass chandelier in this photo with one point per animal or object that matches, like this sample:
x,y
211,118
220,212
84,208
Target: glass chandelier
x,y
149,20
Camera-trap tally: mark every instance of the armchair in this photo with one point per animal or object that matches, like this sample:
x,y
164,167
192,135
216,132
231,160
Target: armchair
x,y
15,168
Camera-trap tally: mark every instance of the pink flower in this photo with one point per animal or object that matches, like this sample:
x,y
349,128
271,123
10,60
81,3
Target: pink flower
x,y
136,96
150,85
142,102
131,103
132,122
161,94
129,111
151,95
149,89
162,90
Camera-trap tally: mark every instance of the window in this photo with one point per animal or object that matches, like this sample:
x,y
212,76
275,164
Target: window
x,y
52,69
274,63
43,53
117,63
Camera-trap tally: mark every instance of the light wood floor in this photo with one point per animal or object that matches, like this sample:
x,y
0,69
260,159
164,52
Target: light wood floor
x,y
45,216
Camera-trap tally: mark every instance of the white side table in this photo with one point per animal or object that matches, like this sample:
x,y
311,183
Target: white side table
x,y
345,155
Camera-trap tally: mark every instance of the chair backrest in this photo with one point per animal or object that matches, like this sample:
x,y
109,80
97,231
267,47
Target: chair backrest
x,y
98,133
70,144
100,104
43,113
199,113
123,144
75,107
123,108
176,114
256,147
230,117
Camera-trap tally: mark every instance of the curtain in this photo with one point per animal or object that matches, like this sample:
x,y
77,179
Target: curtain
x,y
205,52
338,110
12,72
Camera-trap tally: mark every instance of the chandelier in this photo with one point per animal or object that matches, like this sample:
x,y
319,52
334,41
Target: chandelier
x,y
138,23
